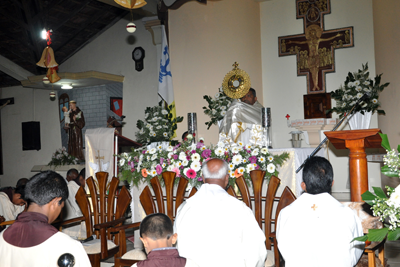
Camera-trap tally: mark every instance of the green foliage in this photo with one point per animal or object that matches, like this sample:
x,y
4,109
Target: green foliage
x,y
159,124
217,107
355,86
61,157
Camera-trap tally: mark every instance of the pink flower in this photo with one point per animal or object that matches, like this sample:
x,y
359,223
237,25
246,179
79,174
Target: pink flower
x,y
130,163
253,159
191,174
144,173
177,171
158,169
200,179
206,153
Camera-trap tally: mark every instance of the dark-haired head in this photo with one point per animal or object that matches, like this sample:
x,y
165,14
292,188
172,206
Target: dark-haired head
x,y
72,174
44,187
22,181
156,226
317,176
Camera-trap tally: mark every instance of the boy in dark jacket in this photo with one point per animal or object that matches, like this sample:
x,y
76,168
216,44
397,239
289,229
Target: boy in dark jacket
x,y
157,235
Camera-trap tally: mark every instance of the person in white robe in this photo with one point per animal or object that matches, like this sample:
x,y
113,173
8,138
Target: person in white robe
x,y
316,229
10,209
216,229
241,120
72,209
31,240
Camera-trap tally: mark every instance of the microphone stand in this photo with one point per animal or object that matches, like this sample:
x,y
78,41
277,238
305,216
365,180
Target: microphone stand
x,y
365,96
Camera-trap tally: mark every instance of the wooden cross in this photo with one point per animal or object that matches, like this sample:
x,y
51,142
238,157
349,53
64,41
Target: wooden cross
x,y
314,207
315,48
99,158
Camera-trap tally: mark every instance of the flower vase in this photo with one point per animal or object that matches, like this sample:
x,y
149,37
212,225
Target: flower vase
x,y
358,121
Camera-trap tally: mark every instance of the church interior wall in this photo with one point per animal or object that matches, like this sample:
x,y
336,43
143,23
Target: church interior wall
x,y
283,90
387,60
205,40
30,105
111,53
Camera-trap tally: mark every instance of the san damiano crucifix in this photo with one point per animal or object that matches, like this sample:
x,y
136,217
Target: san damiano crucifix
x,y
315,48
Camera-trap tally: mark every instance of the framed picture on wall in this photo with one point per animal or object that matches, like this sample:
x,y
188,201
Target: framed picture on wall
x,y
116,105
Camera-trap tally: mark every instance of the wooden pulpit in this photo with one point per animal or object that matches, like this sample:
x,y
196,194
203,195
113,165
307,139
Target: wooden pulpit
x,y
356,141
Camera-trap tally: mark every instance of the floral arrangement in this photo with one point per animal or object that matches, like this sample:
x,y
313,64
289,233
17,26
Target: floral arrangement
x,y
385,207
355,86
186,159
217,107
61,157
159,124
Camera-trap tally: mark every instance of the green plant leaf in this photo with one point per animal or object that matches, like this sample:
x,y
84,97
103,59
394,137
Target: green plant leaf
x,y
360,238
385,141
379,192
377,235
394,235
368,197
388,172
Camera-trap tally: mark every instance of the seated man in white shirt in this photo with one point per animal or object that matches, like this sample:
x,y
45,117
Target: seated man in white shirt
x,y
31,240
216,229
316,229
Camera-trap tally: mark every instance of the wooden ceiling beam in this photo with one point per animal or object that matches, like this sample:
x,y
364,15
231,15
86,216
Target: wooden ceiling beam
x,y
13,19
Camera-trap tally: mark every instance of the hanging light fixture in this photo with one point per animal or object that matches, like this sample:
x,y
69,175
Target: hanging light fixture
x,y
67,86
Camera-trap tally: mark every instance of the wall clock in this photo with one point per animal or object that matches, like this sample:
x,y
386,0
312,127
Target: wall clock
x,y
138,56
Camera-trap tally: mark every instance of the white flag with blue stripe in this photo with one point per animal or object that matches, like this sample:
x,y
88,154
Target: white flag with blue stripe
x,y
165,88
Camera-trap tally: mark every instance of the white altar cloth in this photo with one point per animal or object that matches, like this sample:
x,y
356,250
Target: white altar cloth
x,y
287,172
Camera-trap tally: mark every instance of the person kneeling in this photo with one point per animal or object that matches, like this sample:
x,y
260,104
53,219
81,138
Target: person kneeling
x,y
31,240
157,235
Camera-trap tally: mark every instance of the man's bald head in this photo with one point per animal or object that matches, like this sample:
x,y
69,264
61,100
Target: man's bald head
x,y
215,171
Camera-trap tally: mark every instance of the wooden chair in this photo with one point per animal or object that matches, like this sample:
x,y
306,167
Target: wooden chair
x,y
102,209
156,202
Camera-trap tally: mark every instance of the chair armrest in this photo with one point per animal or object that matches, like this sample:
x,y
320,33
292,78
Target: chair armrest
x,y
126,226
77,219
109,224
7,223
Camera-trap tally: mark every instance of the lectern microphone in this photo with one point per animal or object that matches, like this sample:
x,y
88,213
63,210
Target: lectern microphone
x,y
363,98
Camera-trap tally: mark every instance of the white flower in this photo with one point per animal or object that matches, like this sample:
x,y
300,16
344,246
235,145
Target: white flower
x,y
170,148
148,126
223,107
214,112
250,167
350,84
344,104
231,166
264,150
366,82
216,95
170,167
219,151
358,88
121,162
165,134
367,90
237,159
153,172
164,164
196,166
146,115
152,151
223,113
170,154
158,127
164,112
159,147
231,173
271,168
359,95
220,144
185,162
261,159
241,170
394,200
374,100
357,83
249,146
154,157
240,143
235,149
182,156
270,158
255,152
195,157
153,134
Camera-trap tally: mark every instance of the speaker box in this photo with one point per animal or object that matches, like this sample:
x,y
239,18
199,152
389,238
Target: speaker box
x,y
31,135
